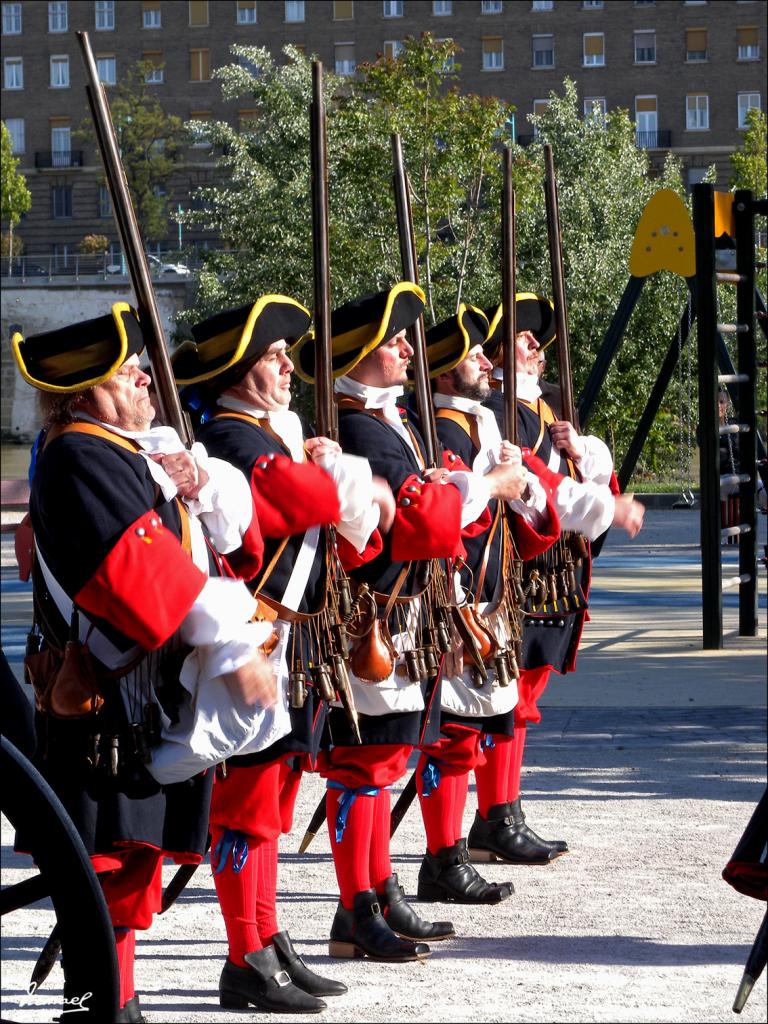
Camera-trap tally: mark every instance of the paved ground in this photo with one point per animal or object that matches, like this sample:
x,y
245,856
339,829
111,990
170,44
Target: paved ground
x,y
649,760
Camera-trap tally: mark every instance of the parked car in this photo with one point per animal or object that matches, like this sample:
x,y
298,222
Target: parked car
x,y
156,266
27,270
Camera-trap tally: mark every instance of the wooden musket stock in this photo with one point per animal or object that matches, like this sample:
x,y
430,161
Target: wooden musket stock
x,y
508,292
130,236
558,285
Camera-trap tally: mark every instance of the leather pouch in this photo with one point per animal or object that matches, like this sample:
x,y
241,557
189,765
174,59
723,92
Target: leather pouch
x,y
372,657
65,685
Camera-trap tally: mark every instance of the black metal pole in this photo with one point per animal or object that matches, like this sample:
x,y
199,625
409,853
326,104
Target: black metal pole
x,y
509,307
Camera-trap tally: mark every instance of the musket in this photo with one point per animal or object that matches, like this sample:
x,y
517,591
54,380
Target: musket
x,y
508,293
133,247
325,408
554,237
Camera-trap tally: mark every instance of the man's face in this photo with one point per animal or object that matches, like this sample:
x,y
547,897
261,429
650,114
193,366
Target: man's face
x,y
387,365
470,378
267,385
527,353
123,400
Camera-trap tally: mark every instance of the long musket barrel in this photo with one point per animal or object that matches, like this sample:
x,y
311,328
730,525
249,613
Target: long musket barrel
x,y
508,292
130,236
558,285
410,273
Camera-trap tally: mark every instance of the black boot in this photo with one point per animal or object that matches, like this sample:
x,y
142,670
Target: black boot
x,y
300,974
500,837
558,845
131,1012
265,985
447,876
364,932
403,919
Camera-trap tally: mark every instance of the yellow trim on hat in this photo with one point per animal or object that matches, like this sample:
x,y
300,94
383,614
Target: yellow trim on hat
x,y
73,360
519,296
440,348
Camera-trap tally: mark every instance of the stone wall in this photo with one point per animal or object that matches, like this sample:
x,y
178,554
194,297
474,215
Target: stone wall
x,y
32,308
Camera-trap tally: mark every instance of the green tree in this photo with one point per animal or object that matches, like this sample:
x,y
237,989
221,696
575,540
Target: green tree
x,y
150,143
16,198
749,161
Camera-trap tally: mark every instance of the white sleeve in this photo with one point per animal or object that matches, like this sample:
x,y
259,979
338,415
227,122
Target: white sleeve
x,y
224,504
359,515
533,508
475,493
596,465
585,508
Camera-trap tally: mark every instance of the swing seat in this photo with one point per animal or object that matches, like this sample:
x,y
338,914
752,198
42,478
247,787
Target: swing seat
x,y
686,500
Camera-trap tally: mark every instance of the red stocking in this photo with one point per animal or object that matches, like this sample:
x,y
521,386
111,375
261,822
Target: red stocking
x,y
437,809
517,762
352,852
238,893
125,944
493,777
380,864
266,892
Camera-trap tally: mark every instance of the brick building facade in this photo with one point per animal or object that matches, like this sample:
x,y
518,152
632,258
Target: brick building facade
x,y
686,71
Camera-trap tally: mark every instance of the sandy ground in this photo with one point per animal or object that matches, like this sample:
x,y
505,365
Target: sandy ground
x,y
649,761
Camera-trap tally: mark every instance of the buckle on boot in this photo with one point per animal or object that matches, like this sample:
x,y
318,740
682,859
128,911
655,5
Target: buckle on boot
x,y
374,908
281,979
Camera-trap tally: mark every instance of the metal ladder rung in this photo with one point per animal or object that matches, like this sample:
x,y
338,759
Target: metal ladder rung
x,y
725,278
734,531
736,581
733,428
733,328
728,479
733,378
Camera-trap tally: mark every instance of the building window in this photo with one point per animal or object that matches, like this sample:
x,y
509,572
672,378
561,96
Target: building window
x,y
60,72
11,19
151,16
645,3
749,42
645,46
593,5
200,138
105,202
493,53
107,68
294,10
13,73
61,201
747,100
15,126
539,107
61,144
543,51
199,65
250,65
392,8
198,13
594,49
595,109
697,112
393,48
695,44
449,62
344,58
105,15
343,10
57,17
246,12
542,5
646,122
154,74
490,6
442,8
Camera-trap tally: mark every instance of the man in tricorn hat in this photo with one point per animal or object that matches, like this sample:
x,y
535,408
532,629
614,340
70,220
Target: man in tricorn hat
x,y
121,564
370,358
238,373
479,690
578,474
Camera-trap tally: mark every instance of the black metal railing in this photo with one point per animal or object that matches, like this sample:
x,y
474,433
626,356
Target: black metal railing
x,y
59,158
661,139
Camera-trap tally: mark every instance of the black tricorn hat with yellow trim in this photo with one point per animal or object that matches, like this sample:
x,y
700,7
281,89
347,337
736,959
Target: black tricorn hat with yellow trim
x,y
451,340
237,336
360,326
81,355
535,313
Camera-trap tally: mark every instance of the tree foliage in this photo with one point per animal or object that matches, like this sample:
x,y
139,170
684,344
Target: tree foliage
x,y
749,161
16,198
150,143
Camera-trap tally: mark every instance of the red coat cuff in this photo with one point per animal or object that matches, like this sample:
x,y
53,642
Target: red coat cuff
x,y
427,521
613,484
351,558
290,497
246,560
549,479
146,584
530,542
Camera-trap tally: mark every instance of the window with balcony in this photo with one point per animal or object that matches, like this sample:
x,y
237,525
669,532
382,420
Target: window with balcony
x,y
61,143
11,19
153,75
392,8
543,51
746,102
343,10
695,44
493,53
198,13
59,72
105,15
13,73
107,68
58,20
199,65
543,5
645,46
646,122
491,6
697,112
15,126
246,12
442,8
105,202
294,10
595,109
151,15
748,40
344,58
61,201
393,48
594,49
